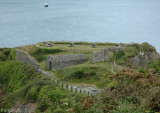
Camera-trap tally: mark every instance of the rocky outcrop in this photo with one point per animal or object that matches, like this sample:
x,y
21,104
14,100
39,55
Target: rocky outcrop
x,y
23,108
103,55
142,59
63,61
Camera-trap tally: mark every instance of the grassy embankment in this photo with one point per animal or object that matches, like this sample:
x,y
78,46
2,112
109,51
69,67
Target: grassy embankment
x,y
20,83
86,73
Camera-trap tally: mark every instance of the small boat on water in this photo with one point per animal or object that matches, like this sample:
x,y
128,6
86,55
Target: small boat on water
x,y
45,5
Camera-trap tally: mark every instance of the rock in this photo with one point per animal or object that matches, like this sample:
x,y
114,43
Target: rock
x,y
63,61
23,108
143,58
43,73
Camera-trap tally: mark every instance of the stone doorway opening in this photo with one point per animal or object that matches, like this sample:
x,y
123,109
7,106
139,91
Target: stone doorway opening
x,y
50,65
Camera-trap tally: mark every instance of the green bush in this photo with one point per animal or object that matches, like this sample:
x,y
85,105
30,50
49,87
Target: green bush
x,y
120,54
44,104
147,47
155,65
33,94
4,54
42,92
131,51
142,70
83,72
12,54
56,95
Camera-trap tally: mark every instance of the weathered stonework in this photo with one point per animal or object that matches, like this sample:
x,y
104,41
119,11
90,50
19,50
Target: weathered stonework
x,y
30,61
26,59
141,60
103,55
63,61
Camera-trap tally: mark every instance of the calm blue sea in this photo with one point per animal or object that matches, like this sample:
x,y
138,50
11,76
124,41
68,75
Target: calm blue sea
x,y
27,21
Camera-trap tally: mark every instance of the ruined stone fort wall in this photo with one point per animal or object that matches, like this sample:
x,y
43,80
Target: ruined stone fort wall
x,y
26,59
103,55
30,61
62,61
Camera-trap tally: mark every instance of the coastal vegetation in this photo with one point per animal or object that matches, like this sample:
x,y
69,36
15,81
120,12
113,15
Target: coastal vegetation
x,y
125,91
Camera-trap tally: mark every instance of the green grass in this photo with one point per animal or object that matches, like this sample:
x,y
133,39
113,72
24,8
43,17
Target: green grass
x,y
81,43
21,83
97,74
41,53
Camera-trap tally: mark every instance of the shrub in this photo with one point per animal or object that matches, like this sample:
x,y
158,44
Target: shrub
x,y
120,54
142,70
83,72
4,54
12,54
33,94
44,104
131,51
147,47
56,95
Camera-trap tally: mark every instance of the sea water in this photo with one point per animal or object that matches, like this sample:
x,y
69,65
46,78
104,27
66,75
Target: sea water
x,y
28,21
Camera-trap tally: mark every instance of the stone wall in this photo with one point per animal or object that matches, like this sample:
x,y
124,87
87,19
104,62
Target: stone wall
x,y
30,61
26,59
63,61
103,55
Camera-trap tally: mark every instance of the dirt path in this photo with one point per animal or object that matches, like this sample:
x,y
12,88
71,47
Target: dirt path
x,y
112,68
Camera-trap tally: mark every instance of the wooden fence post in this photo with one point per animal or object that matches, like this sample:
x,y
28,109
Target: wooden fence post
x,y
71,88
67,86
80,90
62,85
84,91
76,90
88,92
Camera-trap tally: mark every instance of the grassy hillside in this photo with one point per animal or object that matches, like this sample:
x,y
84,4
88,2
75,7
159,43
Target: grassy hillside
x,y
127,91
97,74
19,82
